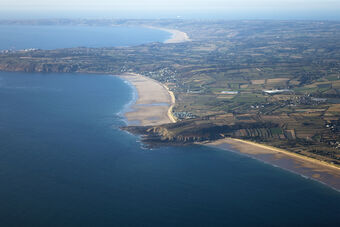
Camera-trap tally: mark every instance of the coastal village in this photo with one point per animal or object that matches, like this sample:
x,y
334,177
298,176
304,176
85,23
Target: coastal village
x,y
241,80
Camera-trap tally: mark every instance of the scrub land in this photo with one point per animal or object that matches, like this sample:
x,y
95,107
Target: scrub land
x,y
275,83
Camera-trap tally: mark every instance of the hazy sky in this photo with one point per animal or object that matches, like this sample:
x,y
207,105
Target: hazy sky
x,y
167,4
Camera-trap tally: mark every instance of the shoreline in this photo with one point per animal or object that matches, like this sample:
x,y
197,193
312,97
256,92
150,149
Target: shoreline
x,y
310,168
148,109
177,36
173,102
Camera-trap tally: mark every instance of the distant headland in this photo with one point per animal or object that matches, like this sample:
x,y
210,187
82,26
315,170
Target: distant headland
x,y
274,83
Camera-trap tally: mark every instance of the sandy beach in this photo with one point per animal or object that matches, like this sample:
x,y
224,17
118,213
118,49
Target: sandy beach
x,y
176,35
308,167
154,103
154,107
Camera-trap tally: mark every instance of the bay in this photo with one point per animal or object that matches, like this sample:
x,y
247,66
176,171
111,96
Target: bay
x,y
18,37
65,162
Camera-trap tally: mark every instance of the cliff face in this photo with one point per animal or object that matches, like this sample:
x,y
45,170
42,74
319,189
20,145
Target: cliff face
x,y
165,135
162,135
38,67
187,132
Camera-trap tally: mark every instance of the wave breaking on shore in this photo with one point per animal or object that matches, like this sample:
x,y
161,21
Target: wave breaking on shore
x,y
153,103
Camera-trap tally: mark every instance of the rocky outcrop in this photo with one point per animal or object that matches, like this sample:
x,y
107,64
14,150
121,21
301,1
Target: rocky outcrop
x,y
190,132
39,67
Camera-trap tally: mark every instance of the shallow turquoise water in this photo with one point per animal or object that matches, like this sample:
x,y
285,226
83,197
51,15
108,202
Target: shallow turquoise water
x,y
64,162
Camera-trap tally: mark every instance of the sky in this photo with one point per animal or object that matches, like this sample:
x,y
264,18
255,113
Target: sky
x,y
165,4
186,9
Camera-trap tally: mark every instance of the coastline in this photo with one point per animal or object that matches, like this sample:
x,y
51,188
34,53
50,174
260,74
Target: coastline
x,y
149,109
307,167
153,104
177,36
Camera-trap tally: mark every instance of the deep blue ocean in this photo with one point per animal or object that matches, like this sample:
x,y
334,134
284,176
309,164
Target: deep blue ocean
x,y
65,162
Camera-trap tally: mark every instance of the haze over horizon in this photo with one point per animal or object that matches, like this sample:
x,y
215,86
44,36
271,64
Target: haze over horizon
x,y
222,9
164,4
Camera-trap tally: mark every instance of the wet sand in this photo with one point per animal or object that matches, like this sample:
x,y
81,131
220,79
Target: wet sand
x,y
307,167
154,103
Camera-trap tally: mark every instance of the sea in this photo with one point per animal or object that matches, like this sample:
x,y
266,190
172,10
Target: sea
x,y
65,162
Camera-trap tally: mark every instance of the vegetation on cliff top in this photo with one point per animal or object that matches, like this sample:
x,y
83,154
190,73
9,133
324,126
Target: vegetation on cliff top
x,y
277,82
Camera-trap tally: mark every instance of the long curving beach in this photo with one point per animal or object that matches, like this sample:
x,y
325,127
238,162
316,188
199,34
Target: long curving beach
x,y
177,36
154,107
154,102
307,167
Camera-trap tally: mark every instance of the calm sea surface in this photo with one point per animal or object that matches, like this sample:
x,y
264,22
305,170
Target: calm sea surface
x,y
19,37
64,162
